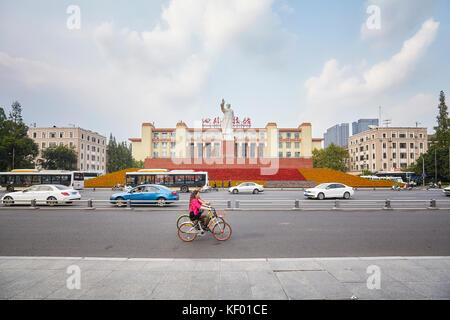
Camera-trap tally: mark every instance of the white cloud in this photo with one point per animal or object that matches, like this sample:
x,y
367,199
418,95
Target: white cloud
x,y
164,68
398,18
349,90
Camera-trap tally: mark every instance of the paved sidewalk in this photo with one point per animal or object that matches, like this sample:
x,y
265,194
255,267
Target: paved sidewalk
x,y
305,278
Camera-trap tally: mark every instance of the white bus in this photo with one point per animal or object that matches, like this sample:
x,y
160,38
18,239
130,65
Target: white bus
x,y
175,179
24,178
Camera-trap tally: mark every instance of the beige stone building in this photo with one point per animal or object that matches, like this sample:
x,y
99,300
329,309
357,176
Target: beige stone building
x,y
89,146
184,142
386,148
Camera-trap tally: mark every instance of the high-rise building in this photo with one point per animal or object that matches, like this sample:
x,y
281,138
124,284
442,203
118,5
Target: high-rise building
x,y
363,125
337,134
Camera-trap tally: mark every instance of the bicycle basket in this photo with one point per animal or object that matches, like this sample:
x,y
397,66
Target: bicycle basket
x,y
221,213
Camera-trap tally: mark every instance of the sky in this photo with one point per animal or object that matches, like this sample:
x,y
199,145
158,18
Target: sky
x,y
109,66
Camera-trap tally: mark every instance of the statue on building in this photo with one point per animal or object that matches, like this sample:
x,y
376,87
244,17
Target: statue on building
x,y
227,122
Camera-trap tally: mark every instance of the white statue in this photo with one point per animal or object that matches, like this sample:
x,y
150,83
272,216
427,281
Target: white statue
x,y
227,122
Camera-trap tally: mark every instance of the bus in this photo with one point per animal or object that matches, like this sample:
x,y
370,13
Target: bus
x,y
91,174
175,179
405,176
24,178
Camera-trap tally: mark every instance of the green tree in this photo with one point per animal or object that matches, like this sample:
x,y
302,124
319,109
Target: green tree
x,y
332,157
58,158
436,159
119,156
17,150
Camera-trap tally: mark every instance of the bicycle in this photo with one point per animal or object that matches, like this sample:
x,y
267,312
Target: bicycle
x,y
221,230
185,218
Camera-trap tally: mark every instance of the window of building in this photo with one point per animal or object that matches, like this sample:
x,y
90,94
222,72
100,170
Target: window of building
x,y
288,135
420,135
411,145
88,138
297,135
403,145
155,154
93,148
61,134
411,135
93,139
52,134
34,134
43,134
61,143
394,145
411,156
288,144
297,154
280,154
43,145
288,154
164,154
155,145
262,135
384,145
394,155
87,157
384,135
164,144
71,144
394,165
384,166
280,135
280,145
164,135
261,150
297,145
402,135
87,147
373,155
384,155
71,134
82,136
393,135
172,145
82,156
156,135
421,145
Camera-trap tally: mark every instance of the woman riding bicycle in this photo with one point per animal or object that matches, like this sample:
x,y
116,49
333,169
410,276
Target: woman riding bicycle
x,y
196,208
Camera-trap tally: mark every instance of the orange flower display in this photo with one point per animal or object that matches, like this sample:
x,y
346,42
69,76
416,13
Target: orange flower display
x,y
108,180
327,175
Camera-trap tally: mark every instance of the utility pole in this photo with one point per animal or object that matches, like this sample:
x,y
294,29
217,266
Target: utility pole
x,y
423,170
13,158
435,167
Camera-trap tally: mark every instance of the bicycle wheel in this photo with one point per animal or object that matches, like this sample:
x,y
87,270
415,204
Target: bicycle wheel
x,y
222,231
183,219
187,232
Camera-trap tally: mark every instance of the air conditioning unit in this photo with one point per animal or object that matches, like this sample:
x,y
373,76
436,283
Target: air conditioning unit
x,y
390,139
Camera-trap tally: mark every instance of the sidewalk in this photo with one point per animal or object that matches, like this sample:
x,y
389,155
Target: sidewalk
x,y
211,279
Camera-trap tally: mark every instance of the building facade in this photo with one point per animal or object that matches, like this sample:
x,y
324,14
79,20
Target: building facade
x,y
386,149
89,146
182,142
363,125
337,135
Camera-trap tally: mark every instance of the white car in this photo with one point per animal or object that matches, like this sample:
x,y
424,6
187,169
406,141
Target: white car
x,y
249,187
50,194
330,190
446,191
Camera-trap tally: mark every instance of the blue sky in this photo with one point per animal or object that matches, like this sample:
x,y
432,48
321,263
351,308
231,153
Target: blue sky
x,y
274,60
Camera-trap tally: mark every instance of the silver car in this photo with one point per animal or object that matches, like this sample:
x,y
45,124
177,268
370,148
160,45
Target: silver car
x,y
247,187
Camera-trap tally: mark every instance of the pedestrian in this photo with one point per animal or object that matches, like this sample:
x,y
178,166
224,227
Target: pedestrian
x,y
439,184
229,183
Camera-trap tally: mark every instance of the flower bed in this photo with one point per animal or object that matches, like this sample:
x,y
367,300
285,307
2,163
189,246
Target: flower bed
x,y
108,180
328,175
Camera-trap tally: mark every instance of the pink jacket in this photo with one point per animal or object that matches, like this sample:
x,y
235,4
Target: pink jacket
x,y
195,206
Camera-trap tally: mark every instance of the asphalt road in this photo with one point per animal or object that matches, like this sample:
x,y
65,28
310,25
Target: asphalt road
x,y
282,234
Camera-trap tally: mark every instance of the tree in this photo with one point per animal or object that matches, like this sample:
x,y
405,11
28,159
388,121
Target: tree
x,y
58,158
332,157
436,159
119,156
17,150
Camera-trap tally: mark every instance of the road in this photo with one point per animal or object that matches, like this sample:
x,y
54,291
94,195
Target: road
x,y
256,234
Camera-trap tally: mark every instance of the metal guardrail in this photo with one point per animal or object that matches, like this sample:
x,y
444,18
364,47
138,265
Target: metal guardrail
x,y
263,204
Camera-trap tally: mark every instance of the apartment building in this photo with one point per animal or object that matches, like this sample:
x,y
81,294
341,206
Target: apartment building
x,y
386,148
89,146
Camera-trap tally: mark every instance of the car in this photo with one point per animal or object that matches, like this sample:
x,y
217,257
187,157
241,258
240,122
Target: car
x,y
161,194
249,187
446,191
50,194
329,190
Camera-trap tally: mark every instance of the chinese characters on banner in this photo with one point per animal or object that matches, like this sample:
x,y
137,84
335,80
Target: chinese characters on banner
x,y
217,123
